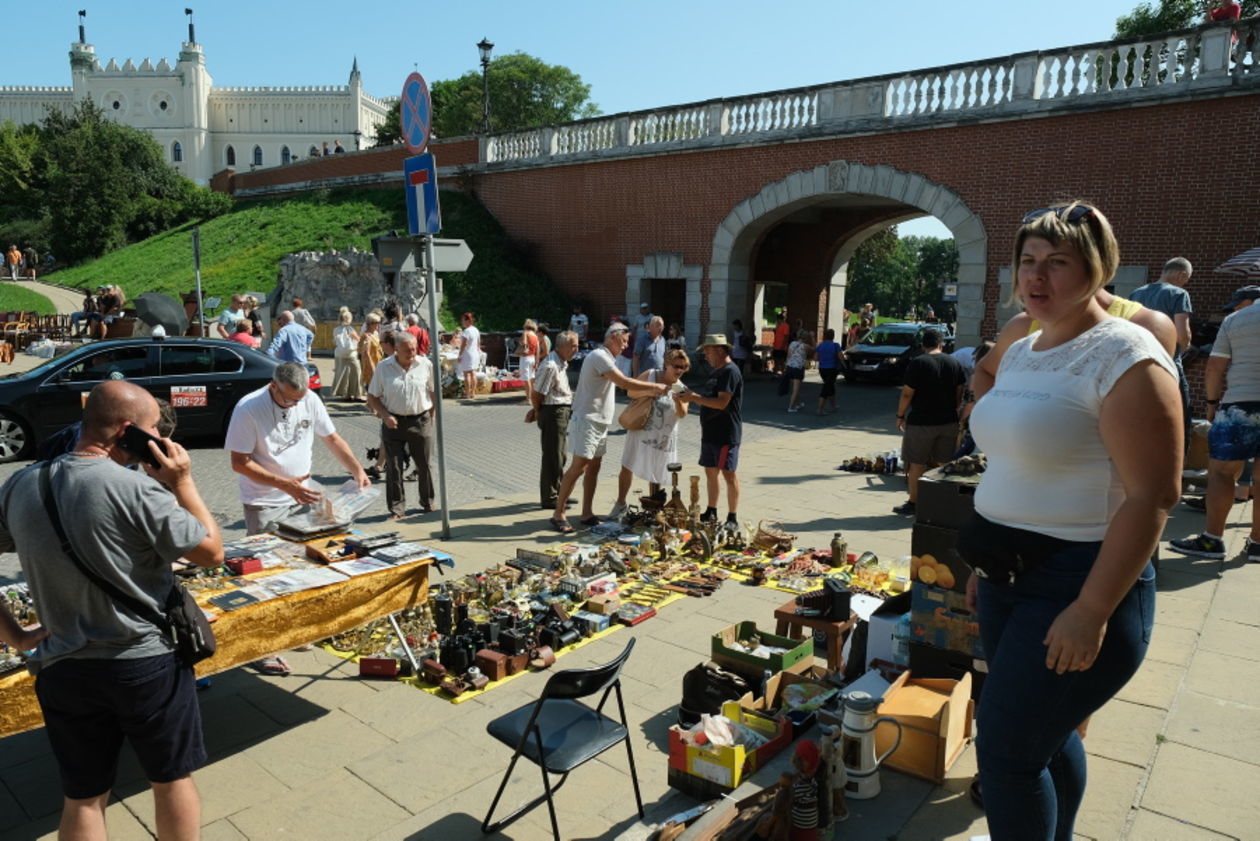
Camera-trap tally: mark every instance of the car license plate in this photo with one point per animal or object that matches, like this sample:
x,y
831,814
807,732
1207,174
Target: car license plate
x,y
865,367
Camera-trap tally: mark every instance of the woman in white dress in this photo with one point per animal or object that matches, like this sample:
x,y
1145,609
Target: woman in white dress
x,y
650,449
469,354
347,384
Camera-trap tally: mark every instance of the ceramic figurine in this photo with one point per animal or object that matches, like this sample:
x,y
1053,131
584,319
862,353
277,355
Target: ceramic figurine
x,y
837,777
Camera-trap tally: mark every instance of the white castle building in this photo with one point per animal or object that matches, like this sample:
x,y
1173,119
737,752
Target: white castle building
x,y
205,129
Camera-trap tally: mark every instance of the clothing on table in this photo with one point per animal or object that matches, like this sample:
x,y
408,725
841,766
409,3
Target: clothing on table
x,y
1039,427
278,438
1238,340
935,378
649,449
292,343
469,350
723,426
370,354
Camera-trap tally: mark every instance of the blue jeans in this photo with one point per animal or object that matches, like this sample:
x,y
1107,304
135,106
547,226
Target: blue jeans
x,y
1032,762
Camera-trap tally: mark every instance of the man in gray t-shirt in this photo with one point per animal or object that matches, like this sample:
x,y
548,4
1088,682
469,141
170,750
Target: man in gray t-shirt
x,y
1169,296
104,674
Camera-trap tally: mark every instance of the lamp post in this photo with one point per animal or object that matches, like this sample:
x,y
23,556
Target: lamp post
x,y
484,47
358,135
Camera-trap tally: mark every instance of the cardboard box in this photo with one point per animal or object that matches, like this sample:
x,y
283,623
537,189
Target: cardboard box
x,y
935,560
935,717
940,618
879,632
773,702
604,604
946,501
930,661
744,663
726,767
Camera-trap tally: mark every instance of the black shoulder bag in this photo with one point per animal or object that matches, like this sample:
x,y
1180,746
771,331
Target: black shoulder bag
x,y
183,622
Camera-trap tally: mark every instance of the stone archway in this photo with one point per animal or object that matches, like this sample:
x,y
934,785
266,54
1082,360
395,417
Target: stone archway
x,y
666,266
729,265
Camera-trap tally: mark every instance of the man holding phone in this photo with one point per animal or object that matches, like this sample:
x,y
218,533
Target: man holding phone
x,y
271,437
102,674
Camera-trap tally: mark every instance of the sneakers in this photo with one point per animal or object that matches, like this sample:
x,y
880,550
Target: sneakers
x,y
794,409
617,511
1200,546
709,515
1253,551
1199,503
906,509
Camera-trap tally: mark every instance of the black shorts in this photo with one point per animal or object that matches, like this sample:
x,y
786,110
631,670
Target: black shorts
x,y
779,356
721,456
91,706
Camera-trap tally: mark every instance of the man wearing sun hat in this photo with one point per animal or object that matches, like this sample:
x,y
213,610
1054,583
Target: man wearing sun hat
x,y
721,403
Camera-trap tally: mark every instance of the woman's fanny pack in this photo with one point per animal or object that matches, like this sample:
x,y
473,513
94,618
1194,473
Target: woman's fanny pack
x,y
1001,553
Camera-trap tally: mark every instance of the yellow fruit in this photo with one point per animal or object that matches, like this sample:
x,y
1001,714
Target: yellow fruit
x,y
928,561
927,574
945,577
915,563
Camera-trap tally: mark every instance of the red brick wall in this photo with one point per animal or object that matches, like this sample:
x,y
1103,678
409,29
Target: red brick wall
x,y
1174,180
390,159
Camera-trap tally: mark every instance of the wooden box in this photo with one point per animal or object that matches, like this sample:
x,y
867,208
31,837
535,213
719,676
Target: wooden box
x,y
935,716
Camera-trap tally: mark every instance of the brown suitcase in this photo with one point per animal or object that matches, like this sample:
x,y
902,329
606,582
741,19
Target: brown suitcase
x,y
493,664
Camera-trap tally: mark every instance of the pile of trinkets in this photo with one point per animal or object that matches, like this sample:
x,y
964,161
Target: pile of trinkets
x,y
16,598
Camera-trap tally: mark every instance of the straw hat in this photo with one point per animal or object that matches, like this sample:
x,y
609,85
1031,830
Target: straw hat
x,y
715,340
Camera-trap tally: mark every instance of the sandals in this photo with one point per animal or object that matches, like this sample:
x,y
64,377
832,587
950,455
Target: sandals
x,y
591,521
276,666
561,526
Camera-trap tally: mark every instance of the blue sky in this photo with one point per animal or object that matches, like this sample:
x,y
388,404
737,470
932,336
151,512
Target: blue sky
x,y
638,55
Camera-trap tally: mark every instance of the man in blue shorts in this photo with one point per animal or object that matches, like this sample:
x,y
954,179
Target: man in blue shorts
x,y
1232,384
721,424
103,675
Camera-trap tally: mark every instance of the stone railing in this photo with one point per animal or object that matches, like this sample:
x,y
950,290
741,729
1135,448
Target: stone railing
x,y
1166,65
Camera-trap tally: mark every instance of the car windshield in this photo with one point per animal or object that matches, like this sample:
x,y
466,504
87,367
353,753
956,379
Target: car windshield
x,y
43,368
894,338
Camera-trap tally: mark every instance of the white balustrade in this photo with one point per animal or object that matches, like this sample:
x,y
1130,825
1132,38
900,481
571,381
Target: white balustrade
x,y
1096,71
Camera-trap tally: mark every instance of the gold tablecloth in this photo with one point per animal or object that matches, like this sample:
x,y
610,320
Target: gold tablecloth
x,y
255,631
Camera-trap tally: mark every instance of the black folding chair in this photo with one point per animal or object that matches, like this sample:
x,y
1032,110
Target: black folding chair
x,y
558,733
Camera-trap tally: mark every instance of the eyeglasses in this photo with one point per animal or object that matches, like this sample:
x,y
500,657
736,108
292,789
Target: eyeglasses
x,y
680,367
1074,216
280,399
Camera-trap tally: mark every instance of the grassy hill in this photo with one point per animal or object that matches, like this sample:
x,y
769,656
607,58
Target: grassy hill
x,y
241,251
19,299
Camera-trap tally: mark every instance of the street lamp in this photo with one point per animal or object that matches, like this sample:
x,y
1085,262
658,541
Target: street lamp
x,y
484,47
357,137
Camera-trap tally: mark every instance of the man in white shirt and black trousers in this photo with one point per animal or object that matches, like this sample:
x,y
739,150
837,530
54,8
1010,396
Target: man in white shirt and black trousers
x,y
401,395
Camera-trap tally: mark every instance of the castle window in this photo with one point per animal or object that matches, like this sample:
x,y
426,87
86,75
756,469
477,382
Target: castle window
x,y
231,156
177,152
257,156
163,104
285,157
314,152
117,105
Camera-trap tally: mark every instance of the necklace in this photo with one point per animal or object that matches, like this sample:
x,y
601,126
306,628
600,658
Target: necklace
x,y
86,454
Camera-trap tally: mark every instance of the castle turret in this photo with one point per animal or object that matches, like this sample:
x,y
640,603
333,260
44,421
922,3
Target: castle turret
x,y
195,99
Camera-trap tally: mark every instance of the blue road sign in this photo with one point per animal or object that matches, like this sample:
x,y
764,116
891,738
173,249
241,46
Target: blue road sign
x,y
420,183
415,113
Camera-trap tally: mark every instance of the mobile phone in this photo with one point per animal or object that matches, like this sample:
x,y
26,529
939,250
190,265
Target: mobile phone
x,y
136,441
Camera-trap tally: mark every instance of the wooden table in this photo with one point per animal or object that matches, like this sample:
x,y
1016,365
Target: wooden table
x,y
258,630
792,625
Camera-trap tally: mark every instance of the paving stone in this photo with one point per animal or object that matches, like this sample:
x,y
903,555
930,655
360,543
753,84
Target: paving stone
x,y
1221,676
1237,601
1203,789
302,754
1231,638
1125,732
1109,797
223,790
1179,612
1154,685
401,710
223,830
35,784
1186,585
1229,728
1150,826
337,806
230,722
1170,644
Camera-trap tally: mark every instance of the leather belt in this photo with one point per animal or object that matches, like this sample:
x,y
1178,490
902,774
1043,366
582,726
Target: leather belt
x,y
410,417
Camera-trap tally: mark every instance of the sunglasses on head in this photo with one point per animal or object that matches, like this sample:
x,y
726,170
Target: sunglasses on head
x,y
1074,216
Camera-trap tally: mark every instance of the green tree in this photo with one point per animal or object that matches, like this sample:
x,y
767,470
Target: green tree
x,y
882,271
525,92
389,132
1166,15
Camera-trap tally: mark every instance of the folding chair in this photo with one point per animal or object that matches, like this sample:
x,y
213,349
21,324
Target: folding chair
x,y
558,733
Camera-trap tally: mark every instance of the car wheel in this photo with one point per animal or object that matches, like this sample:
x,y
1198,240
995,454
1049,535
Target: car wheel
x,y
16,440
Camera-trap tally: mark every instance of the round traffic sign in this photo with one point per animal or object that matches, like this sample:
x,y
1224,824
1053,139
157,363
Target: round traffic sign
x,y
416,113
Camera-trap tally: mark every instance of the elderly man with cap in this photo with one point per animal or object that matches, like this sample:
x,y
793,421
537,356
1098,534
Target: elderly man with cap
x,y
1232,384
721,403
592,414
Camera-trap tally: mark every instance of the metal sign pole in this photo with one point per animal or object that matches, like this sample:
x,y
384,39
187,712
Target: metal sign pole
x,y
196,244
431,292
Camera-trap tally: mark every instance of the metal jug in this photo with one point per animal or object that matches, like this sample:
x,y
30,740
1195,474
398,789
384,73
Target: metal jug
x,y
858,745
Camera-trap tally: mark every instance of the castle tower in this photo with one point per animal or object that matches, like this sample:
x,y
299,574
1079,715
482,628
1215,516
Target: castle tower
x,y
357,117
194,105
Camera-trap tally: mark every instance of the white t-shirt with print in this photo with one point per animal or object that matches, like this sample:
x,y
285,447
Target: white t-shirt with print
x,y
279,439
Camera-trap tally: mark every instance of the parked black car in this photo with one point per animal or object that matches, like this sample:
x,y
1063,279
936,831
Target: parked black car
x,y
202,378
885,351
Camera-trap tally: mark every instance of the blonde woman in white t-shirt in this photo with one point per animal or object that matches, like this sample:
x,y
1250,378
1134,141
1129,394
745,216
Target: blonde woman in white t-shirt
x,y
1082,430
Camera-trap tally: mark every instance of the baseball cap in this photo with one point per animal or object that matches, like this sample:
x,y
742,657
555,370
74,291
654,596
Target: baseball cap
x,y
1244,293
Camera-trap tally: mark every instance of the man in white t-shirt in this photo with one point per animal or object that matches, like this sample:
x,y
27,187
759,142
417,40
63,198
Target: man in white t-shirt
x,y
271,437
594,404
578,323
